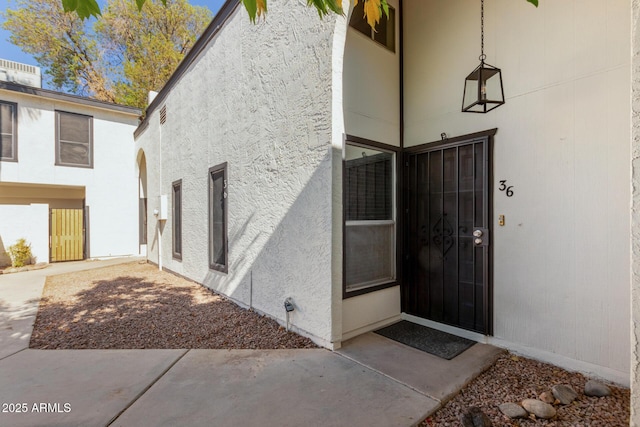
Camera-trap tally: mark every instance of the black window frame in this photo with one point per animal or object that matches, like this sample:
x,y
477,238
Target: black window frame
x,y
359,23
364,143
59,161
215,170
176,220
14,133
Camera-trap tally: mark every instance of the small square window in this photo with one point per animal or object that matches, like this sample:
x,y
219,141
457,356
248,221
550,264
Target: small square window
x,y
385,31
8,131
74,140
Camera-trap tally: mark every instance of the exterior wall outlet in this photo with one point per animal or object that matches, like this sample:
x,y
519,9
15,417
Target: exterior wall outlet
x,y
164,208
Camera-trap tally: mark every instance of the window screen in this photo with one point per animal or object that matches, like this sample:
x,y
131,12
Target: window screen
x,y
177,219
369,218
74,139
218,218
385,32
8,127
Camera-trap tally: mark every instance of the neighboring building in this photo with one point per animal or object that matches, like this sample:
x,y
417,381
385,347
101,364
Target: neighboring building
x,y
67,175
15,72
304,158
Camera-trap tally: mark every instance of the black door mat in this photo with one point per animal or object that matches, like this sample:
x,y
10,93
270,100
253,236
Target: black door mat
x,y
432,341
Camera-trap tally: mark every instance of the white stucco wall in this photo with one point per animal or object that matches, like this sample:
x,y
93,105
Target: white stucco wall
x,y
372,87
635,215
111,190
29,222
259,98
561,262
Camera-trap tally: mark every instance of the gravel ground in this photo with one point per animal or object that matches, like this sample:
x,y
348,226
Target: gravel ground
x,y
135,306
513,379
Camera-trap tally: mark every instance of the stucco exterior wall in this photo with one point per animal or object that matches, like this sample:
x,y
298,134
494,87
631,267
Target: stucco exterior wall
x,y
29,222
561,262
372,87
259,98
635,213
110,186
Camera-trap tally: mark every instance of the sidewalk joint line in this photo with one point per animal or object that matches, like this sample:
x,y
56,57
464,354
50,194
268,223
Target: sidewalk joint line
x,y
13,354
390,377
143,391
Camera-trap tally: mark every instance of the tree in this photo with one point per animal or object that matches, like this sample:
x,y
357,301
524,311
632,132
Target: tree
x,y
118,58
373,9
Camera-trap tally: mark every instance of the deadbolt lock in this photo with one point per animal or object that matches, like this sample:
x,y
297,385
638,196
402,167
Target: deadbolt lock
x,y
477,233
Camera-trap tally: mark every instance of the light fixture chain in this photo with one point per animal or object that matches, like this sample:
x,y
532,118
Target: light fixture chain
x,y
482,56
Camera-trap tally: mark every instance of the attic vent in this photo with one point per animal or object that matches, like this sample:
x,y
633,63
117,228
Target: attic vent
x,y
163,114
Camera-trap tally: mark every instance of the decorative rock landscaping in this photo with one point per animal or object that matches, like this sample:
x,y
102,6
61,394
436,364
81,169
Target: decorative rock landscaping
x,y
560,394
513,382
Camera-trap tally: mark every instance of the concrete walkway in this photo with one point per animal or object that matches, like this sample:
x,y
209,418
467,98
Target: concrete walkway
x,y
371,381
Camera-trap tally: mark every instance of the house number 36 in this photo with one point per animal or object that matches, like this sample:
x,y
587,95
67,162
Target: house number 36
x,y
507,189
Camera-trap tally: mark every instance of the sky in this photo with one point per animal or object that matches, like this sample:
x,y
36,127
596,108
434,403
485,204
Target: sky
x,y
14,53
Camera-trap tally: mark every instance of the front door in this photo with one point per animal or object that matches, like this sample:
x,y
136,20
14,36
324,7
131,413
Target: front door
x,y
448,235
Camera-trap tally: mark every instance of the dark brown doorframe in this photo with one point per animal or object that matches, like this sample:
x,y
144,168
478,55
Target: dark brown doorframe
x,y
448,269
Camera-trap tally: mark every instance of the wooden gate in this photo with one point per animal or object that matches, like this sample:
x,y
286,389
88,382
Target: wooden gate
x,y
67,242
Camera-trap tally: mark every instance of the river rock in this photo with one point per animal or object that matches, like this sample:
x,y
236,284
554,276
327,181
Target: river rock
x,y
595,388
474,417
564,393
539,408
513,410
547,397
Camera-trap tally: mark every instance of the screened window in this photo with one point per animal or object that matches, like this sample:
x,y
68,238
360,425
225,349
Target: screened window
x,y
176,222
370,226
74,139
385,32
8,130
142,221
218,218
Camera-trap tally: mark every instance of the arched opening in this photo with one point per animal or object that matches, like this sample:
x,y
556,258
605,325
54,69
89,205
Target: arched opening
x,y
142,202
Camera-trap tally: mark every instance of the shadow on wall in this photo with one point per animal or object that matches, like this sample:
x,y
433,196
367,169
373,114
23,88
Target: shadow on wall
x,y
271,261
118,308
5,260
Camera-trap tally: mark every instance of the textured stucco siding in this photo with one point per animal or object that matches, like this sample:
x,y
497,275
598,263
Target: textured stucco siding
x,y
259,98
561,261
635,214
110,186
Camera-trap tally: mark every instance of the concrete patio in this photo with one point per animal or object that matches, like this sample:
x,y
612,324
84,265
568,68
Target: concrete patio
x,y
371,381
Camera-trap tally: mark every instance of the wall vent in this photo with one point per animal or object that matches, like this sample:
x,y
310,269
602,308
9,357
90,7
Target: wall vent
x,y
163,114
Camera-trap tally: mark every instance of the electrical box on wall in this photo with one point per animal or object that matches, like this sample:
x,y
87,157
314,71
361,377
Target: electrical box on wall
x,y
164,208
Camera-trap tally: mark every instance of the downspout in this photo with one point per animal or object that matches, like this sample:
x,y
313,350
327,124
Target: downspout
x,y
159,200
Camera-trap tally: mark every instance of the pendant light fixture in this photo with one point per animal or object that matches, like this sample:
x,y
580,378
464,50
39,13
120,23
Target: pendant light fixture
x,y
483,87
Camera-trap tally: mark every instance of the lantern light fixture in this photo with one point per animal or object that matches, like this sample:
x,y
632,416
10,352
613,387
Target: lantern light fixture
x,y
483,87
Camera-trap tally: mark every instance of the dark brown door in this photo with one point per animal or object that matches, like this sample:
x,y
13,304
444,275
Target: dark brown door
x,y
448,235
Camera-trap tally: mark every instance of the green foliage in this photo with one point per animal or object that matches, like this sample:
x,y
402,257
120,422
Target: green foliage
x,y
255,8
20,253
119,57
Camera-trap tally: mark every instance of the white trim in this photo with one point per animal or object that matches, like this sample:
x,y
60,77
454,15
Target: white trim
x,y
371,327
589,369
446,328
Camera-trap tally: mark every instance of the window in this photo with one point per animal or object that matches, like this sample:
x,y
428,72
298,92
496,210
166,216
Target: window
x,y
370,227
218,218
385,32
177,219
8,128
74,140
142,221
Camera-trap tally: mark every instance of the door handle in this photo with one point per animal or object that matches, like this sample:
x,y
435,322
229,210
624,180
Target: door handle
x,y
481,237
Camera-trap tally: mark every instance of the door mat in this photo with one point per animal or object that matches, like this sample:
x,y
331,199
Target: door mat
x,y
432,341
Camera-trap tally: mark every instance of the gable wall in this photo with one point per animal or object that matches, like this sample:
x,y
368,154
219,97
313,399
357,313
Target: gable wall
x,y
259,98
